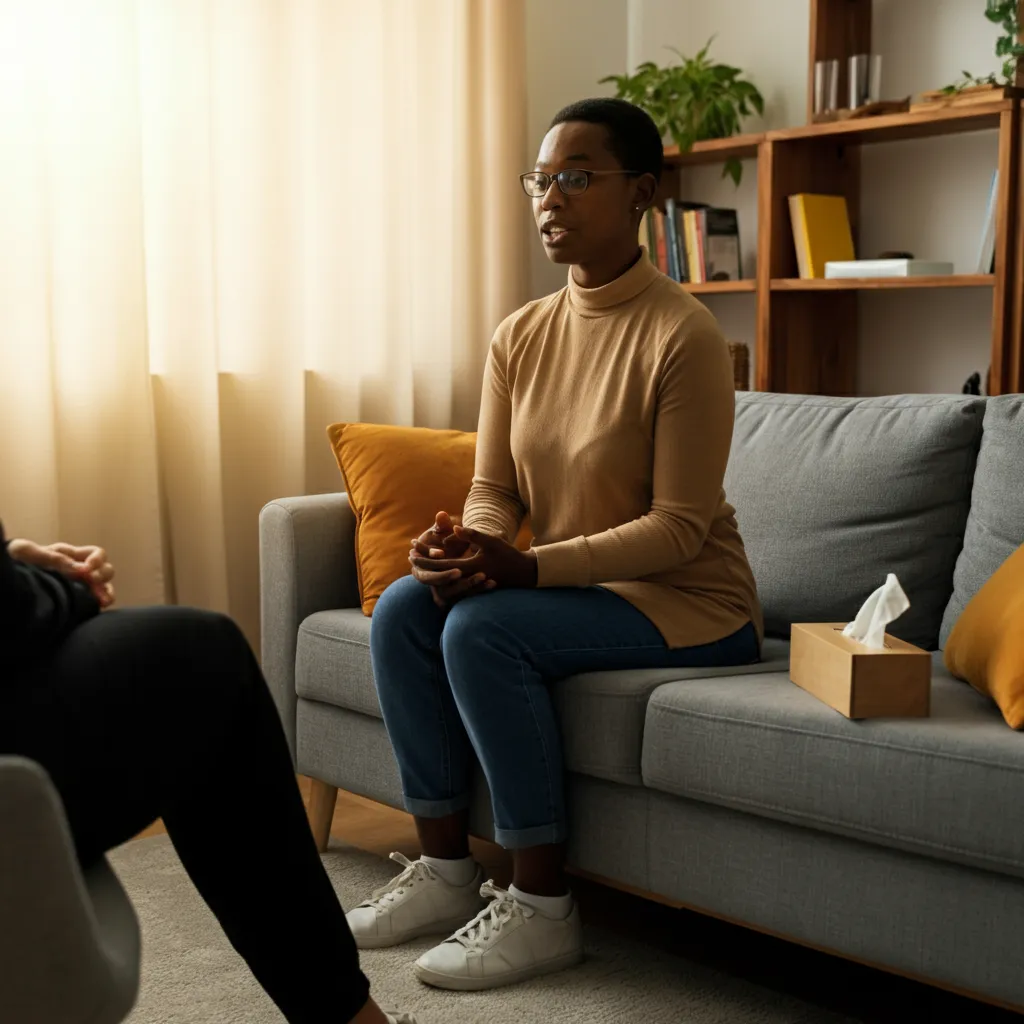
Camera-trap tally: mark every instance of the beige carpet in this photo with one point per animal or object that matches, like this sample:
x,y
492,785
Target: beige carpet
x,y
192,976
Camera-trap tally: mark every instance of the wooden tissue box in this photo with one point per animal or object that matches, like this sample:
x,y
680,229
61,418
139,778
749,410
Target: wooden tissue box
x,y
858,681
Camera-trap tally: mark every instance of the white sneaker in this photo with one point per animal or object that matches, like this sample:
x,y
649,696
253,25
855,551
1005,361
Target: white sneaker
x,y
399,1018
418,902
507,941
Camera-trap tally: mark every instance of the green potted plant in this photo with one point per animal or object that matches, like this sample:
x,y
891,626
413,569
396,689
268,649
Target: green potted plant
x,y
694,100
1006,14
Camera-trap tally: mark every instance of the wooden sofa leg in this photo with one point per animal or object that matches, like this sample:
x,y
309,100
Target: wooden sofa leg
x,y
322,799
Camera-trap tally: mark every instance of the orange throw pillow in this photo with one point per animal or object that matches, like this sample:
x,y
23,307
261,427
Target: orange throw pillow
x,y
986,647
398,479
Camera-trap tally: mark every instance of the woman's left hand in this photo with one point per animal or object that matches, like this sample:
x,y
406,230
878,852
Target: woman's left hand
x,y
88,564
492,557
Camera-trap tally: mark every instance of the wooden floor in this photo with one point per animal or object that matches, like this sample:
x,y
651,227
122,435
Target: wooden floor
x,y
864,994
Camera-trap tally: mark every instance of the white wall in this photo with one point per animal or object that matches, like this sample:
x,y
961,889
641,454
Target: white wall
x,y
925,196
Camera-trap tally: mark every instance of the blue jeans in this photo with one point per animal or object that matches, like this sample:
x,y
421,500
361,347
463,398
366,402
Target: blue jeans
x,y
476,679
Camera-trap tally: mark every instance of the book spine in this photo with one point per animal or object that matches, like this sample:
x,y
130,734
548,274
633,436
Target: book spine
x,y
800,240
684,262
660,241
671,241
652,241
691,246
702,243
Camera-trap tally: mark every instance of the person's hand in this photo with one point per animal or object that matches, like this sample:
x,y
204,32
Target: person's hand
x,y
87,564
439,541
494,559
432,542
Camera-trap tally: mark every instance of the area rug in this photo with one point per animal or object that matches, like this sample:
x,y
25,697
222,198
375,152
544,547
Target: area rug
x,y
191,975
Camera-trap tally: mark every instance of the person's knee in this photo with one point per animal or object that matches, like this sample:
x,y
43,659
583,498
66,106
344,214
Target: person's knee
x,y
475,636
401,611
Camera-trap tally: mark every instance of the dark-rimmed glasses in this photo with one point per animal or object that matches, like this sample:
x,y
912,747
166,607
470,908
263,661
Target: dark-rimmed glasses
x,y
572,181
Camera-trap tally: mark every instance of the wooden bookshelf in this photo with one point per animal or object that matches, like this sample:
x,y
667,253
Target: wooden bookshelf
x,y
722,287
807,331
736,147
896,127
797,284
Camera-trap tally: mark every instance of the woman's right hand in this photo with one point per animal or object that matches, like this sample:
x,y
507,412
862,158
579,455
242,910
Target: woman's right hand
x,y
439,541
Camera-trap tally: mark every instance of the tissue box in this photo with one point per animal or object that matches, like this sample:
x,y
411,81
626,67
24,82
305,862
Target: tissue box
x,y
858,681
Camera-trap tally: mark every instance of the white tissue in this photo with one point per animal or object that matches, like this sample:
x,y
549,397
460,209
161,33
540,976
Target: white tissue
x,y
885,605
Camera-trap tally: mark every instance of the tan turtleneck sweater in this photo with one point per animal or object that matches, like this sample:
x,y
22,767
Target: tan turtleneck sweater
x,y
607,415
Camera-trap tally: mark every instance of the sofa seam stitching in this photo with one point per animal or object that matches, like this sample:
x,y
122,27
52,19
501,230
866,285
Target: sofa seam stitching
x,y
830,737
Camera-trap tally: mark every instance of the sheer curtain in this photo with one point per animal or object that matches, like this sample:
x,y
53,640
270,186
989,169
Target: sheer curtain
x,y
223,225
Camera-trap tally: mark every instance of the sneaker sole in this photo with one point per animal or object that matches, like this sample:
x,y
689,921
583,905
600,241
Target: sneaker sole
x,y
432,928
460,984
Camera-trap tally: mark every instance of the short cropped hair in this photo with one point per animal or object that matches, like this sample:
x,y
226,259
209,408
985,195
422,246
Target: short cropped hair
x,y
633,137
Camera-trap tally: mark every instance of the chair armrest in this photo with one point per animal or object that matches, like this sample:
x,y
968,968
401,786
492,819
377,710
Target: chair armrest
x,y
307,564
69,945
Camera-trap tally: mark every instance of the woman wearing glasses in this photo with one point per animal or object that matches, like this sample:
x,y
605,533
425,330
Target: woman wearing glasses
x,y
607,415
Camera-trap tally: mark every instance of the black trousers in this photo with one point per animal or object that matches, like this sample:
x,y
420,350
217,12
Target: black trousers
x,y
163,713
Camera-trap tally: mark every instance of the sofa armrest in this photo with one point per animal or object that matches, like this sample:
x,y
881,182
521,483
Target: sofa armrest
x,y
307,564
69,942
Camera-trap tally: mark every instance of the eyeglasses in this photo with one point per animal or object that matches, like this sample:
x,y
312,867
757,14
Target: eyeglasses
x,y
572,181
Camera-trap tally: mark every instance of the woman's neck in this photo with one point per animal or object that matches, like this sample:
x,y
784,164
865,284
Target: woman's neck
x,y
599,273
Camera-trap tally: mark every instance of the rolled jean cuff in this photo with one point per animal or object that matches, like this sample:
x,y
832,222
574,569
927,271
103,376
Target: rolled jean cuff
x,y
539,835
436,808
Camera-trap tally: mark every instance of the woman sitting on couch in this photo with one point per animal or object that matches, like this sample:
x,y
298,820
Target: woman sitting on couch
x,y
607,415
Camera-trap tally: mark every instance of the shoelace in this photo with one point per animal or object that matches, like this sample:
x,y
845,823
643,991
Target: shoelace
x,y
415,871
504,907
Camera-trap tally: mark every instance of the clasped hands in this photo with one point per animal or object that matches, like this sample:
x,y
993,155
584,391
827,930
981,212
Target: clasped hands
x,y
456,562
88,565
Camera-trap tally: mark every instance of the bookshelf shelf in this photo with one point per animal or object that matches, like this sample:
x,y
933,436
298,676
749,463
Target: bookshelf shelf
x,y
716,151
722,287
796,284
893,127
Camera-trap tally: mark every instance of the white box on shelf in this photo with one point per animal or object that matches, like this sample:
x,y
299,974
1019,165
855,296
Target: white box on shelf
x,y
887,268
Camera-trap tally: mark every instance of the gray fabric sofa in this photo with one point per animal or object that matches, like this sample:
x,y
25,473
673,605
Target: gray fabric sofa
x,y
896,842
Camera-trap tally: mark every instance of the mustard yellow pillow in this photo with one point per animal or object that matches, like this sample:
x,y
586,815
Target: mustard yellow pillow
x,y
398,479
986,647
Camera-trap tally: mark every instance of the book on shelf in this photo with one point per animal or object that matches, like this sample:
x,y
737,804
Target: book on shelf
x,y
886,268
721,233
660,242
693,242
821,232
672,241
987,249
693,254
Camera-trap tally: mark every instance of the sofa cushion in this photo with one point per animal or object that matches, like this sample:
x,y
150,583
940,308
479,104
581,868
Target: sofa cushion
x,y
995,526
833,493
986,647
602,713
948,786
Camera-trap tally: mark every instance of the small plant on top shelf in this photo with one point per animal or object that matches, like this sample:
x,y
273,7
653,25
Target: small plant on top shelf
x,y
693,101
1006,14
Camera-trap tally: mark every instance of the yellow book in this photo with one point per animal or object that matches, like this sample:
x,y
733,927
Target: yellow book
x,y
692,254
821,232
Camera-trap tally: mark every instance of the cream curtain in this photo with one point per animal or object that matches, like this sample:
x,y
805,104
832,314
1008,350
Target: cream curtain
x,y
223,225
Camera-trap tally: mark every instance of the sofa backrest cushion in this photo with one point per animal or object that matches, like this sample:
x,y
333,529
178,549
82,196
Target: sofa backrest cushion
x,y
833,493
995,526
